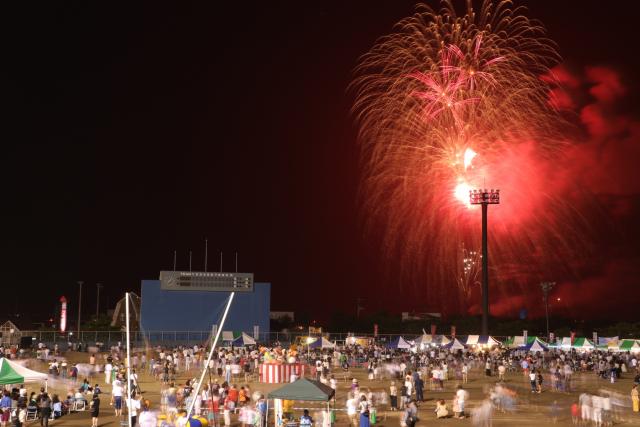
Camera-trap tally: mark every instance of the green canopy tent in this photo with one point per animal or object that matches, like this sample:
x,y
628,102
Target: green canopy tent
x,y
13,373
302,390
630,345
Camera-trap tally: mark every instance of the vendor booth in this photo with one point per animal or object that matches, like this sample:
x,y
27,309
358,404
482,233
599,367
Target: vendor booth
x,y
306,391
535,346
482,340
399,342
321,343
454,345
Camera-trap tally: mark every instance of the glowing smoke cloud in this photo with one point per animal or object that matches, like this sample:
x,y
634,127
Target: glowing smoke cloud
x,y
448,103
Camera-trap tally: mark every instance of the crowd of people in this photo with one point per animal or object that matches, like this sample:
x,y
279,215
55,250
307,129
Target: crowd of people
x,y
411,383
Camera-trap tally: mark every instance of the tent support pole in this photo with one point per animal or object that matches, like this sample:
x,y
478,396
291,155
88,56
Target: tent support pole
x,y
126,296
213,346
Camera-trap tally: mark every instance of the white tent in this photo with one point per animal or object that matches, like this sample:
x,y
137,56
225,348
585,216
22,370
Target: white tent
x,y
322,343
482,340
400,343
424,339
455,345
444,340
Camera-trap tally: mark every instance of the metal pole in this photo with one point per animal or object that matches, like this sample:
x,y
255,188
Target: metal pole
x,y
98,285
546,311
485,273
80,282
126,295
546,287
213,346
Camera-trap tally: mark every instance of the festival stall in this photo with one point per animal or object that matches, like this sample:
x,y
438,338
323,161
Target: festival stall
x,y
13,373
442,340
276,373
424,339
244,340
632,346
238,338
519,341
482,341
321,343
359,341
302,390
456,344
399,343
535,346
582,344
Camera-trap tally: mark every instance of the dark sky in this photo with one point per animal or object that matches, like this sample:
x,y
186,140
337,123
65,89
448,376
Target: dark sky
x,y
133,131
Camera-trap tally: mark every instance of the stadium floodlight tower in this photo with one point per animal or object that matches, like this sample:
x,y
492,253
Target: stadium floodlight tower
x,y
485,198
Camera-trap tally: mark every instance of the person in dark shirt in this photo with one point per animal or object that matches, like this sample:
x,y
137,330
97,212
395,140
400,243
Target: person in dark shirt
x,y
44,404
95,409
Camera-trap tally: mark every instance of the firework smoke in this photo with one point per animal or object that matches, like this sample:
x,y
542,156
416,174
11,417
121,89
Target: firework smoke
x,y
451,102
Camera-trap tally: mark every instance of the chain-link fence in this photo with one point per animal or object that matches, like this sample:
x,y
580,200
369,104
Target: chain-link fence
x,y
107,339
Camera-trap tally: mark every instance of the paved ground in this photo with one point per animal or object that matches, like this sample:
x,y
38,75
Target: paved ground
x,y
532,409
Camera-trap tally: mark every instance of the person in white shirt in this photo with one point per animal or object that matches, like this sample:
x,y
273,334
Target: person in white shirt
x,y
146,417
462,395
116,397
107,373
134,409
352,410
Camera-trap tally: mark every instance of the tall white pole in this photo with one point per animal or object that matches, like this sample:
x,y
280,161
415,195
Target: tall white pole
x,y
213,346
126,295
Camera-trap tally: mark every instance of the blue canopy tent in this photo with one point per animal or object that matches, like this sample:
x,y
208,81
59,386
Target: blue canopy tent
x,y
399,342
535,346
456,344
321,343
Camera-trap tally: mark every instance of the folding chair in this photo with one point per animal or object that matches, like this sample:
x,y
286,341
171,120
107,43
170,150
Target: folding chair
x,y
79,405
32,414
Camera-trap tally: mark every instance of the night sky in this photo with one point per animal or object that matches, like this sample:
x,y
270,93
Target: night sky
x,y
132,132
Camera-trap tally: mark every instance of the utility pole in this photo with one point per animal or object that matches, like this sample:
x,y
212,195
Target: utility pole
x,y
546,287
98,286
359,307
485,198
80,282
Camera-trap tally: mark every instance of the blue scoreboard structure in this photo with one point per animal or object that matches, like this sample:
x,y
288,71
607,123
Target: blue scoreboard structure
x,y
194,301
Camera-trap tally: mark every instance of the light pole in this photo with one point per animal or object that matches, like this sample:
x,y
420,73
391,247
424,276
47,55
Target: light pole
x,y
546,287
98,286
80,282
485,198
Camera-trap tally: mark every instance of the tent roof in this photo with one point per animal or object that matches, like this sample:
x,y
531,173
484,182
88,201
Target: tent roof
x,y
13,373
305,390
518,341
454,345
398,342
481,339
322,343
536,345
582,342
627,344
244,339
424,339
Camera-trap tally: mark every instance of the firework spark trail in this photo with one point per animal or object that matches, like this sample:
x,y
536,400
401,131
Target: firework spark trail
x,y
445,104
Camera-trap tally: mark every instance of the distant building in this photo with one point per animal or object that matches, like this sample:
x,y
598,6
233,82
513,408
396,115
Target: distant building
x,y
9,333
195,301
279,315
410,316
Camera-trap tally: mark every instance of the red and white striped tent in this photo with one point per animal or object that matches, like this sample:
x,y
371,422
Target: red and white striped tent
x,y
274,373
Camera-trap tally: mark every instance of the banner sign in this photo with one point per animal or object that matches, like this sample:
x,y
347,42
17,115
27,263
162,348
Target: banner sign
x,y
63,314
